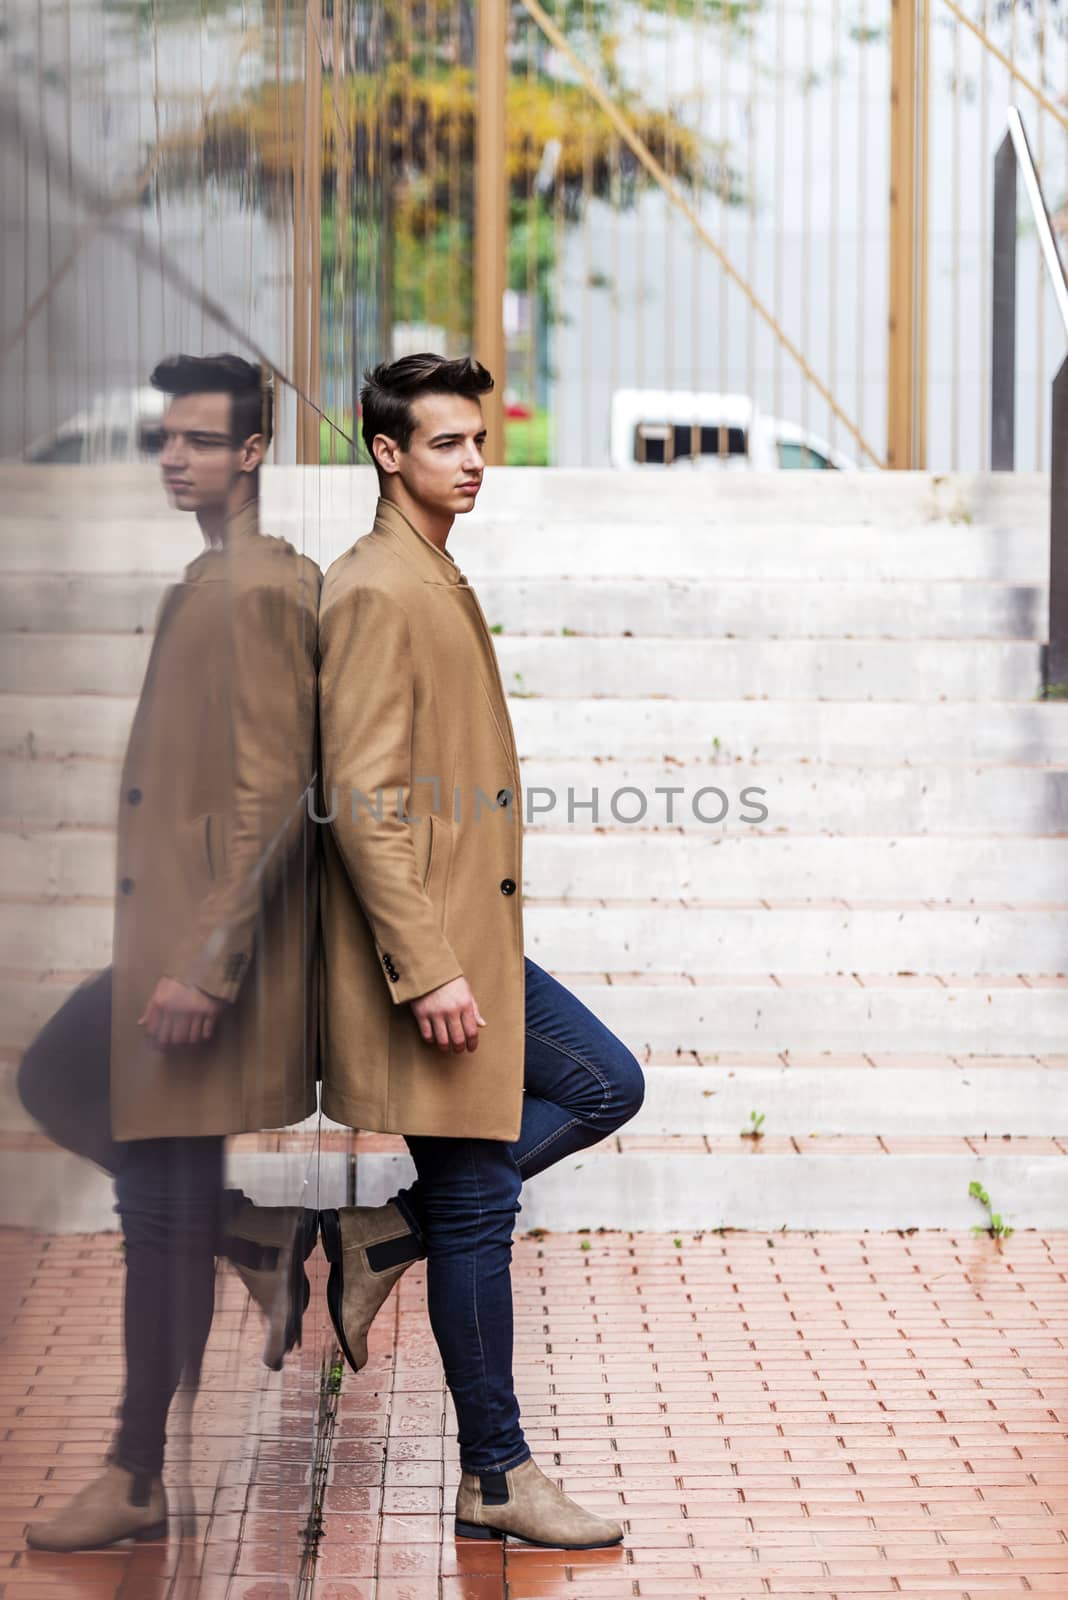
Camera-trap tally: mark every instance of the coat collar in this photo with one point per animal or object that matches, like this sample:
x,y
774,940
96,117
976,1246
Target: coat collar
x,y
432,564
242,526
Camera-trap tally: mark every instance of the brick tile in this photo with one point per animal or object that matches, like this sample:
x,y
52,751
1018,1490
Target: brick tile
x,y
829,1415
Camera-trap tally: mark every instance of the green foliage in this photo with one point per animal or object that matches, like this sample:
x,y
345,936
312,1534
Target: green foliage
x,y
996,1228
526,440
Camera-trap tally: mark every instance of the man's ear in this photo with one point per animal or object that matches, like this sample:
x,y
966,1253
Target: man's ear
x,y
386,452
251,453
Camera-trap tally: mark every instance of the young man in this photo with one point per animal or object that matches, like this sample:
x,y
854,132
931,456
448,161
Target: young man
x,y
435,1025
205,1024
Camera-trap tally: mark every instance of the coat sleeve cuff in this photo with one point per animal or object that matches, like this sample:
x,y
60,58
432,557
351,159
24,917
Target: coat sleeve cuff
x,y
220,975
410,984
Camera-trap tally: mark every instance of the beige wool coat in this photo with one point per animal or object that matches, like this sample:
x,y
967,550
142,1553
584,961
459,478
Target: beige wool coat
x,y
216,880
422,859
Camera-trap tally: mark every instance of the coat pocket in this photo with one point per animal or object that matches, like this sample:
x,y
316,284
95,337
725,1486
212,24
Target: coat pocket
x,y
214,843
436,867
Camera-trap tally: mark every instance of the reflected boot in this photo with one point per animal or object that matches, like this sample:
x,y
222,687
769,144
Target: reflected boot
x,y
369,1248
267,1247
528,1505
117,1505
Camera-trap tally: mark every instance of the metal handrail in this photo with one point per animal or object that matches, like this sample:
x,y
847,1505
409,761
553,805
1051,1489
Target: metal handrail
x,y
1014,156
1051,254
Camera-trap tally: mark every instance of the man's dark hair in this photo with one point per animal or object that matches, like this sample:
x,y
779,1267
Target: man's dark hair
x,y
389,389
247,384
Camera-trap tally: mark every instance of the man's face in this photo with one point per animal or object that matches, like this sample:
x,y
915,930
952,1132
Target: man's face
x,y
442,467
198,459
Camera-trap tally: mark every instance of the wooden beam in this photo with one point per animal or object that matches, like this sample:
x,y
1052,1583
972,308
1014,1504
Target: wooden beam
x,y
491,214
307,241
906,381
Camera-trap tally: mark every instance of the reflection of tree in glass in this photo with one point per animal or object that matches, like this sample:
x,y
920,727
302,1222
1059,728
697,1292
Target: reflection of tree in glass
x,y
399,124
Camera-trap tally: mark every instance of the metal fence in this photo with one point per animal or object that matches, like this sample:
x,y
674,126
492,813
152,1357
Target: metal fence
x,y
787,202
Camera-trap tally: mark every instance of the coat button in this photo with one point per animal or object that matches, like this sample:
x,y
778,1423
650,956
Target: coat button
x,y
134,796
507,886
127,886
503,796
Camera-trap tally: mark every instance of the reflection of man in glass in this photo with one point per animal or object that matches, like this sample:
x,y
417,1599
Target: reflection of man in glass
x,y
202,1026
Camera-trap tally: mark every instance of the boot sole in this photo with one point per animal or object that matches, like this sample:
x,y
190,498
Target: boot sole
x,y
474,1530
330,1227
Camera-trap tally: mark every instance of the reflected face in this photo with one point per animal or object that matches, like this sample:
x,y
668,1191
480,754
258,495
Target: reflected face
x,y
442,467
198,459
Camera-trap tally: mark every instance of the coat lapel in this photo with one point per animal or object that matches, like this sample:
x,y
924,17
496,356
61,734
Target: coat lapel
x,y
435,566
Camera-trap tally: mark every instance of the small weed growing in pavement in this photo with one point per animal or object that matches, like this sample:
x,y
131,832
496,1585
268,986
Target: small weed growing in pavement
x,y
520,692
497,627
997,1229
755,1131
569,633
585,1245
677,1243
1054,691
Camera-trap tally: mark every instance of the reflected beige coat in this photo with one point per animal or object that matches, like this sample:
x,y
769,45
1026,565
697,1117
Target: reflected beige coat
x,y
216,879
412,710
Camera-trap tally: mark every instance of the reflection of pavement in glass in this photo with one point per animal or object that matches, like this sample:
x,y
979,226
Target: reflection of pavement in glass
x,y
763,1417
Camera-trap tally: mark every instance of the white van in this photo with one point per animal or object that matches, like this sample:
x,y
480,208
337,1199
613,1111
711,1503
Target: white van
x,y
119,425
677,427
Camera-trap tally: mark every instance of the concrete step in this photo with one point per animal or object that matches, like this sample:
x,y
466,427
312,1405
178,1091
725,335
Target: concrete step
x,y
671,546
725,939
711,800
809,1096
634,1182
106,602
718,798
511,494
585,733
786,670
632,864
38,794
72,666
751,608
671,608
53,1191
758,866
805,1096
856,1012
828,1183
876,734
715,938
113,664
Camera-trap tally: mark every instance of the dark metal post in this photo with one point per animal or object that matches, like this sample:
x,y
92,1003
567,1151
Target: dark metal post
x,y
1057,654
1003,364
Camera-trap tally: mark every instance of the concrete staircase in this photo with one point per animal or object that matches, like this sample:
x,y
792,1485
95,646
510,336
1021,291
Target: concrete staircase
x,y
878,964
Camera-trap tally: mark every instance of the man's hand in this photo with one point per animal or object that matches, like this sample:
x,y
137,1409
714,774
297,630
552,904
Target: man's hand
x,y
449,1016
179,1014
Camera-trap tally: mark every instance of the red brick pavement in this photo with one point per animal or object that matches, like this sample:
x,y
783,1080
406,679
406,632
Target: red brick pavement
x,y
822,1415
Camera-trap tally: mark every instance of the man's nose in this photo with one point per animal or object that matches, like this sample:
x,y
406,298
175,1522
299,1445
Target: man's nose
x,y
473,461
